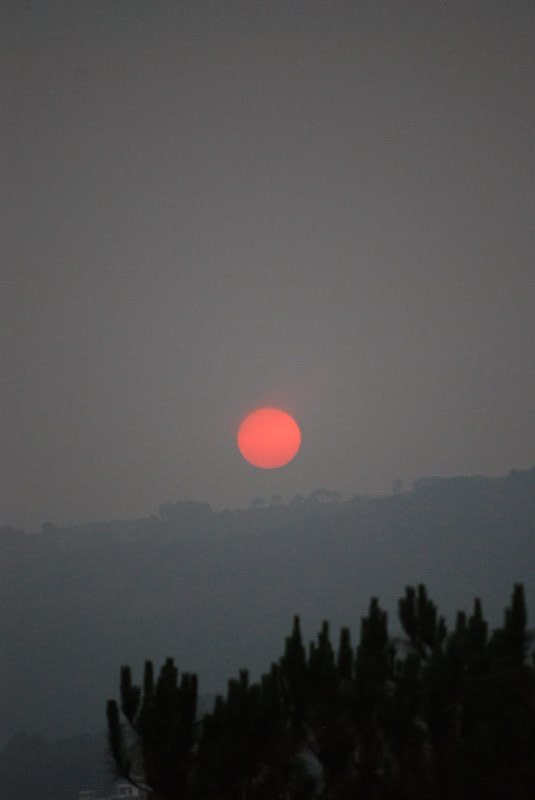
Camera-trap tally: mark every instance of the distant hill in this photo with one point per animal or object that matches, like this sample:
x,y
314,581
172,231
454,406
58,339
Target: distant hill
x,y
217,591
32,768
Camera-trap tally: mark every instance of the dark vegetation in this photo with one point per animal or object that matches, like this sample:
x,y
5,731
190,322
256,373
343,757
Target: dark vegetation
x,y
219,589
433,714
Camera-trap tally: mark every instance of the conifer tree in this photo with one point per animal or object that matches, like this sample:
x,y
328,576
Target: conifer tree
x,y
345,657
154,748
293,671
418,617
451,717
515,637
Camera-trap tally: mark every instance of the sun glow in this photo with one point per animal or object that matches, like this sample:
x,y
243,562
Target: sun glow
x,y
269,438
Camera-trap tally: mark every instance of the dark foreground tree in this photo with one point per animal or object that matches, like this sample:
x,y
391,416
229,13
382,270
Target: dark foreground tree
x,y
153,747
435,716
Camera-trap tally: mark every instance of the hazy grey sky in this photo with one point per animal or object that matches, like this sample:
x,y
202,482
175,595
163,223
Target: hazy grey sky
x,y
211,206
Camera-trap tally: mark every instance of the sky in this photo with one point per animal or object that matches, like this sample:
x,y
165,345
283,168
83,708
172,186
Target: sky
x,y
214,206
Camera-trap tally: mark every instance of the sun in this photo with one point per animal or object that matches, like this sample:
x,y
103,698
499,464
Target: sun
x,y
269,438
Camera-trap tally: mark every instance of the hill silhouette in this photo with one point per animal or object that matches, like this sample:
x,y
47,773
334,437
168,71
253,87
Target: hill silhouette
x,y
217,590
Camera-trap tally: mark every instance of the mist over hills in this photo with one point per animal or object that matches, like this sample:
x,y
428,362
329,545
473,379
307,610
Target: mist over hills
x,y
217,591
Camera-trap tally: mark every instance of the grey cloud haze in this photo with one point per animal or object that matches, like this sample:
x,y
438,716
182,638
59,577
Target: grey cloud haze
x,y
214,206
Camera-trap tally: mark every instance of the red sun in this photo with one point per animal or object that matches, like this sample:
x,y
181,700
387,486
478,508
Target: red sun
x,y
269,438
